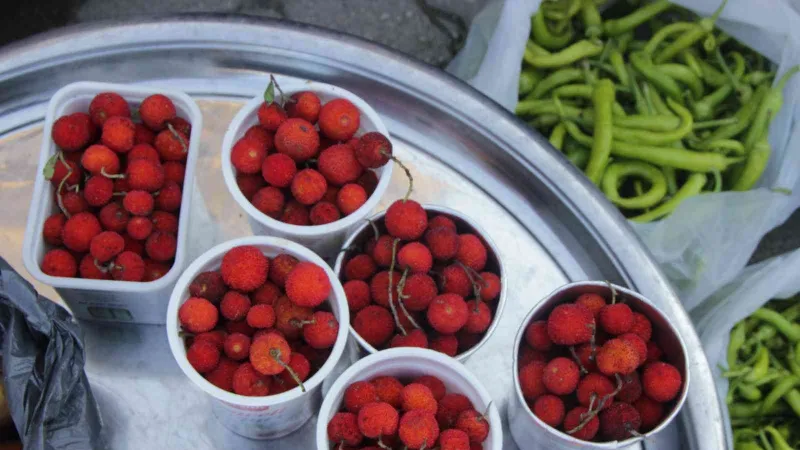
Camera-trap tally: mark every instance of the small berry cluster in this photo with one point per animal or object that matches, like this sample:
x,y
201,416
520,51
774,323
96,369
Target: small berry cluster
x,y
314,176
118,184
274,332
407,287
386,414
592,370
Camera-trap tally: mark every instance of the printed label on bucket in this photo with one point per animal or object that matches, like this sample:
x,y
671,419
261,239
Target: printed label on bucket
x,y
267,422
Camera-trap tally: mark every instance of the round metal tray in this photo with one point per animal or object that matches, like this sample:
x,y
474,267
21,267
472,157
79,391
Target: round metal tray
x,y
466,153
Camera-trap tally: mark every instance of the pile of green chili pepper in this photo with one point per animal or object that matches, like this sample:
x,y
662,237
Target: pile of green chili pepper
x,y
655,105
764,373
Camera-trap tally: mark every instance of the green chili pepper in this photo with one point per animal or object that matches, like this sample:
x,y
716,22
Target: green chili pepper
x,y
557,136
711,75
539,107
555,79
753,410
685,75
780,389
533,51
760,367
734,76
574,7
704,108
547,39
792,398
690,60
659,104
545,121
648,123
527,80
618,64
749,392
584,91
758,77
763,333
726,146
673,157
619,26
778,442
754,166
749,445
665,32
789,329
576,133
639,100
603,99
592,21
737,339
642,63
661,138
792,313
745,116
579,157
700,30
771,376
617,171
693,186
768,108
571,54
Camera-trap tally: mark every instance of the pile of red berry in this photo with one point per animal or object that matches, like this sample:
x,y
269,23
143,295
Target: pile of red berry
x,y
275,330
118,187
591,370
319,171
421,281
383,413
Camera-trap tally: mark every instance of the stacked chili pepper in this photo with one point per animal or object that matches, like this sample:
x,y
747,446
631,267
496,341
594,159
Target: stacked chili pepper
x,y
764,371
654,105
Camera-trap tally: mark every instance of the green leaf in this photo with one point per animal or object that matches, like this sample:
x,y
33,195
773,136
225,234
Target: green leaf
x,y
269,94
50,167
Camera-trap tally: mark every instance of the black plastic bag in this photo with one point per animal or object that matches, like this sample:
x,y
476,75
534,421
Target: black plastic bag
x,y
48,393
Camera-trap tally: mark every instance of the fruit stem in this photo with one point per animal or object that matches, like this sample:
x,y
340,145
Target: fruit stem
x,y
60,201
588,416
400,297
101,268
607,397
472,274
119,194
374,229
613,292
108,175
276,355
177,136
632,432
405,169
391,303
578,360
382,445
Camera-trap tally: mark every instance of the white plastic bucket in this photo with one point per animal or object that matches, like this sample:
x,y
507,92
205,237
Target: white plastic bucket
x,y
324,239
272,416
406,363
528,431
494,263
111,300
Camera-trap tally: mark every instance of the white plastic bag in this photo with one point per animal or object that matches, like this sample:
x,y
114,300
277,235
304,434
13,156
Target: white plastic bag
x,y
756,285
709,238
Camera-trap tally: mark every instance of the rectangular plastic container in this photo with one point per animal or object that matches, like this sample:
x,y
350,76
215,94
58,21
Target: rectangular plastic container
x,y
108,300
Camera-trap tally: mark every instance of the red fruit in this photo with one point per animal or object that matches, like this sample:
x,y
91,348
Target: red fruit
x,y
351,197
570,324
297,139
144,151
389,390
59,263
550,409
594,302
237,346
156,110
447,344
240,327
169,197
143,135
536,336
471,252
453,439
561,376
172,145
324,212
161,246
443,243
165,222
638,344
270,201
442,221
113,217
650,411
447,313
631,388
619,422
72,132
357,293
108,104
377,419
106,245
261,316
51,230
530,380
593,389
132,245
379,288
139,228
91,271
450,407
359,394
174,171
575,418
99,159
405,219
616,319
330,194
339,119
480,317
642,327
234,306
661,381
244,268
271,116
359,267
280,268
373,150
181,124
654,352
216,337
295,213
490,286
269,354
416,257
418,396
290,318
278,170
414,338
343,429
128,266
249,184
246,381
79,230
153,270
436,385
474,424
222,376
528,355
118,134
247,155
419,291
374,324
308,186
617,356
98,190
308,284
145,175
203,356
322,331
71,171
456,281
138,203
338,165
382,251
301,367
418,429
369,181
305,105
267,294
